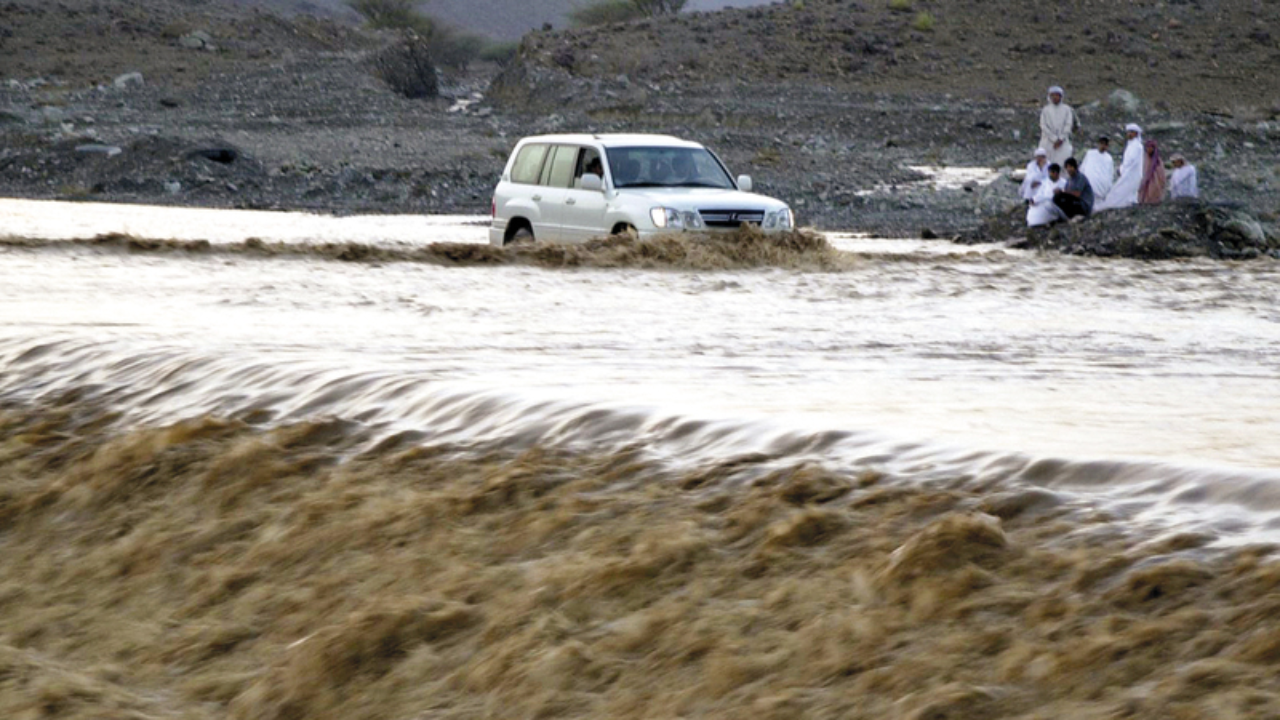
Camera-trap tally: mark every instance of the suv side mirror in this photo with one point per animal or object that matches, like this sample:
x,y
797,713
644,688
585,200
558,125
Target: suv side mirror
x,y
592,181
744,183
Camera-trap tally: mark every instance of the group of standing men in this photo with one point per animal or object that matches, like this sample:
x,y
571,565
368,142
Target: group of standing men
x,y
1092,185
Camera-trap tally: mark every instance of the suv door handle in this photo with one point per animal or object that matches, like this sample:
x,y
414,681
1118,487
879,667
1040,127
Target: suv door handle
x,y
570,201
537,198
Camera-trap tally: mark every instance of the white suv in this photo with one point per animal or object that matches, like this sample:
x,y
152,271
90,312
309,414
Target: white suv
x,y
571,188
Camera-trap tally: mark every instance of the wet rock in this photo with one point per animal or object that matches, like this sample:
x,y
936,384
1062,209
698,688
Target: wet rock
x,y
128,80
1151,232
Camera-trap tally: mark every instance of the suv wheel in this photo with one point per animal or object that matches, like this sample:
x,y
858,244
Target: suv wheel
x,y
522,236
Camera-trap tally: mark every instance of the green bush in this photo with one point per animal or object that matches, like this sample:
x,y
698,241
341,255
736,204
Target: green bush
x,y
659,7
447,45
900,5
451,47
923,22
397,14
603,12
501,53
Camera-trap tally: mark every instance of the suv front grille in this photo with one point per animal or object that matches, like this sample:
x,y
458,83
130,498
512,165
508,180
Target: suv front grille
x,y
731,218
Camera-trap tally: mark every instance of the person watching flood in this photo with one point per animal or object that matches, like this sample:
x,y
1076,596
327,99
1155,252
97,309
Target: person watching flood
x,y
1151,191
1075,199
1125,191
1100,168
1057,122
1182,181
1043,210
1037,173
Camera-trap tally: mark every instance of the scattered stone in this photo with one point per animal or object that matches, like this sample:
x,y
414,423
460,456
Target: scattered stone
x,y
198,40
927,234
52,115
98,148
127,80
1121,99
173,187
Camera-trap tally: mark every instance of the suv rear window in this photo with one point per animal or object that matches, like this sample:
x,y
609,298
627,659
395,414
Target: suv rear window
x,y
528,164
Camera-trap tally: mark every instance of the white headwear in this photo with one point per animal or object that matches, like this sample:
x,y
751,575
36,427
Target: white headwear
x,y
1057,89
1041,152
1133,127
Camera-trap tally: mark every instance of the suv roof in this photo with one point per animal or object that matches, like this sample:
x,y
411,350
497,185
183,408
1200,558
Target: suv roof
x,y
615,140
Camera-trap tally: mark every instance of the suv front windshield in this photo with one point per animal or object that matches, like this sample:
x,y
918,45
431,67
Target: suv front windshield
x,y
666,167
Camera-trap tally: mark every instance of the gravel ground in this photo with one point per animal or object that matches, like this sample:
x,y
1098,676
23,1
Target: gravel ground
x,y
309,126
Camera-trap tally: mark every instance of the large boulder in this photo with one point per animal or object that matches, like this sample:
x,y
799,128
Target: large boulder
x,y
406,66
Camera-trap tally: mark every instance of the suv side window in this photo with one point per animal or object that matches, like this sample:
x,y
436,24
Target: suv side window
x,y
588,162
558,172
528,164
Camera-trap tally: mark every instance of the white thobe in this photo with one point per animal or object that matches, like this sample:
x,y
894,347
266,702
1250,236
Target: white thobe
x,y
1100,168
1182,182
1056,123
1124,192
1043,210
1035,174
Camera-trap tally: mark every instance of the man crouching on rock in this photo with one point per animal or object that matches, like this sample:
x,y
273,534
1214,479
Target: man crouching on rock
x,y
1075,199
1043,209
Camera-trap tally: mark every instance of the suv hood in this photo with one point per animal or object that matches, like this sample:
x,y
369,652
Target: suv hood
x,y
694,198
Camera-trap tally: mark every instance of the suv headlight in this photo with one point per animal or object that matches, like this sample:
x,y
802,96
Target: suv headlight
x,y
782,219
665,217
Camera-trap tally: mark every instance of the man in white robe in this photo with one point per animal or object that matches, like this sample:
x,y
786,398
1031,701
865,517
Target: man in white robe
x,y
1037,173
1124,193
1043,210
1057,121
1182,181
1100,168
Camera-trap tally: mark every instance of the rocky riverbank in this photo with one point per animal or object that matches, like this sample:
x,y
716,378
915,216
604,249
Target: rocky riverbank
x,y
851,112
1152,232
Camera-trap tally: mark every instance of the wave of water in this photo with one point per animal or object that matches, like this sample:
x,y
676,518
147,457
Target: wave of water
x,y
159,385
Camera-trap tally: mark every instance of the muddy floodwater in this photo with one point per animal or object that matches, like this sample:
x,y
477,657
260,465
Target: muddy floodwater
x,y
929,423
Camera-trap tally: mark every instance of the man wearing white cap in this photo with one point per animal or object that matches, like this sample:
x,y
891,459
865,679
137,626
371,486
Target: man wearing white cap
x,y
1182,181
1124,193
1057,121
1037,173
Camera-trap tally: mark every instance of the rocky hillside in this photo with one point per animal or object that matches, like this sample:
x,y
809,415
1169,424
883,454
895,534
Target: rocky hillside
x,y
1212,56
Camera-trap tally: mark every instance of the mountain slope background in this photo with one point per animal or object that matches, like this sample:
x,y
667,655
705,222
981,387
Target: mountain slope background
x,y
495,19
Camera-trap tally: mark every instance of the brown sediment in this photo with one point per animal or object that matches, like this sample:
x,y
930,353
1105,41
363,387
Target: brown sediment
x,y
214,568
742,249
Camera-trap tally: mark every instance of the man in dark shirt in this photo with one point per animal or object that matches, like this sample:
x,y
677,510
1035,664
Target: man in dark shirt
x,y
1076,199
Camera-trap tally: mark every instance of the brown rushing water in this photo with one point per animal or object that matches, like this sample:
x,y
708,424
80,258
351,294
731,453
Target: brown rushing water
x,y
872,479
